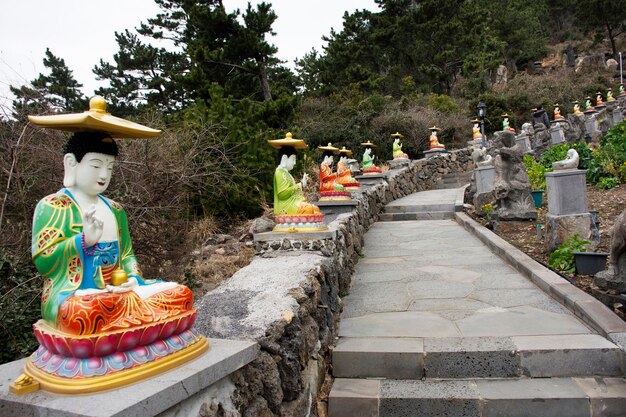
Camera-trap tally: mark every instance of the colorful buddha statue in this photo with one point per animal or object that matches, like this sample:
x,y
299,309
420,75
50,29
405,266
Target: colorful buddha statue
x,y
622,90
589,105
477,136
577,108
344,177
368,159
291,211
557,111
397,146
505,123
609,95
599,101
330,188
434,141
104,324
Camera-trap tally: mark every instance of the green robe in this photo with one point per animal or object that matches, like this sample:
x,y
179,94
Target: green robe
x,y
287,193
367,161
397,149
58,252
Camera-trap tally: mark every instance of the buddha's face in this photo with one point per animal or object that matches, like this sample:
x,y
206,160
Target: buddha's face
x,y
475,125
289,162
396,141
434,133
367,151
343,159
93,173
328,160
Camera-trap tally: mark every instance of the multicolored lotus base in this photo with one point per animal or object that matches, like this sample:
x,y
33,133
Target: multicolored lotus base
x,y
300,223
70,375
352,186
372,171
401,156
335,196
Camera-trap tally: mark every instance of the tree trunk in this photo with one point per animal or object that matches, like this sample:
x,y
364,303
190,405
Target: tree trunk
x,y
265,84
612,39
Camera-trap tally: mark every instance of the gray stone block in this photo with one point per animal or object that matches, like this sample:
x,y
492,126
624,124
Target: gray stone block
x,y
354,397
397,358
485,177
567,192
146,398
607,395
336,207
552,397
429,399
470,358
278,236
568,355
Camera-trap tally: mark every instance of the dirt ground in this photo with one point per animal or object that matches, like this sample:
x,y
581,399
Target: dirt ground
x,y
523,235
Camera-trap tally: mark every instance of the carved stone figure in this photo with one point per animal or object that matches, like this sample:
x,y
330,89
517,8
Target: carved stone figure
x,y
614,277
570,162
481,158
511,185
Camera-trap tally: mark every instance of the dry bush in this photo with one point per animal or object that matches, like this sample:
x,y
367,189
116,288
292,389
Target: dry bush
x,y
210,271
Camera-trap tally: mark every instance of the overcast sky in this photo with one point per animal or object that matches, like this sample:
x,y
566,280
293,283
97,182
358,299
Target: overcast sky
x,y
82,32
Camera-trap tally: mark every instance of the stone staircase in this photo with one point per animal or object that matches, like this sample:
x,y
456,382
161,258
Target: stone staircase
x,y
561,375
437,325
453,180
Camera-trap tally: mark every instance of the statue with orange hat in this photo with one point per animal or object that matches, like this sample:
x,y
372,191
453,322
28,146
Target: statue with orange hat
x,y
104,325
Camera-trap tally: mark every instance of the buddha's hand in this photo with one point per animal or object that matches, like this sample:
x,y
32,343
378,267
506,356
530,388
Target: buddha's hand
x,y
125,287
305,179
373,156
92,226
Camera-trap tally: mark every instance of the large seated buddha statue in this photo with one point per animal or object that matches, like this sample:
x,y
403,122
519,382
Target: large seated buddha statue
x,y
292,213
344,176
330,188
367,161
102,321
397,147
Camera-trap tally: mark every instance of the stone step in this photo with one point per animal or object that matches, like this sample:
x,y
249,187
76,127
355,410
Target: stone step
x,y
419,208
433,215
536,397
476,357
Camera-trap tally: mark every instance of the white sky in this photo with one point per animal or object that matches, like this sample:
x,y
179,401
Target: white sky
x,y
82,32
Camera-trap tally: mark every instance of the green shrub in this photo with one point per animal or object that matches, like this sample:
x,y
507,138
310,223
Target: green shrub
x,y
442,103
606,183
536,173
559,152
562,258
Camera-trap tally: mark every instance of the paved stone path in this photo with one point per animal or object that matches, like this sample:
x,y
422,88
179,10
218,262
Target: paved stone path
x,y
435,324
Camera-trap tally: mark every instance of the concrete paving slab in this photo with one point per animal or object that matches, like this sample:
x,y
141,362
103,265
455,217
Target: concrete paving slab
x,y
518,321
511,297
452,274
447,304
494,281
439,289
398,324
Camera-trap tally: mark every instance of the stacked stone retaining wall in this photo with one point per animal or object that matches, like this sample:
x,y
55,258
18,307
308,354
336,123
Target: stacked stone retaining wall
x,y
288,299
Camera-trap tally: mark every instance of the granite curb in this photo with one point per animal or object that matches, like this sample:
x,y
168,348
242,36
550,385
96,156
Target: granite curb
x,y
586,307
460,197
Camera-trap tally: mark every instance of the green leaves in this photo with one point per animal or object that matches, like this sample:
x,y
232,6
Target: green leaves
x,y
562,258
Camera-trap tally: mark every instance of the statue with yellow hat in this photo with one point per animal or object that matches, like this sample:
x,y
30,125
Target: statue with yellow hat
x,y
291,211
368,159
434,141
330,188
344,177
397,146
103,323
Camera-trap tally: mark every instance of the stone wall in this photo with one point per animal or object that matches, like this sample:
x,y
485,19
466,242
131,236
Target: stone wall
x,y
288,299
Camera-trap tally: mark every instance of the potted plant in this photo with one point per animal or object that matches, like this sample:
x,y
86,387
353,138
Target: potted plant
x,y
537,177
590,263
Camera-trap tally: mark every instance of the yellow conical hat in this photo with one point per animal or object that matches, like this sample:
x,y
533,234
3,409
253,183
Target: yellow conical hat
x,y
96,119
345,151
288,140
397,135
328,147
368,143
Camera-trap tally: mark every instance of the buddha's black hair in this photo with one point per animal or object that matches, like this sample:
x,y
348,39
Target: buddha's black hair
x,y
81,143
285,150
327,153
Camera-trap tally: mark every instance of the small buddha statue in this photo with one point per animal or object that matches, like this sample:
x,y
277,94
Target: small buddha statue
x,y
609,95
344,177
434,141
330,188
599,102
505,123
291,210
476,133
368,159
622,90
589,105
397,147
100,315
577,108
557,111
